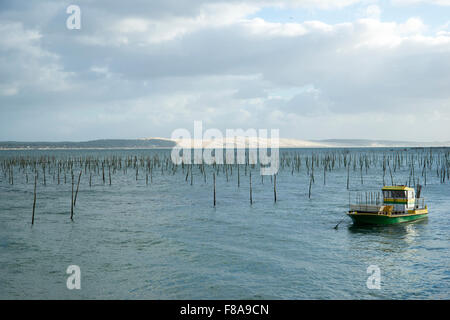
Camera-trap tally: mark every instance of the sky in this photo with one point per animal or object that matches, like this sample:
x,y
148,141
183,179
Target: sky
x,y
324,69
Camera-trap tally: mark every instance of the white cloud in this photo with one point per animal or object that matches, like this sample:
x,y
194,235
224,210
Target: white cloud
x,y
144,31
15,37
322,4
261,27
413,2
373,11
8,90
145,72
25,64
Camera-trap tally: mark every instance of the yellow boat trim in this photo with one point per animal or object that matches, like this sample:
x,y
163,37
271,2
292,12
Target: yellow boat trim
x,y
403,188
389,215
418,211
392,200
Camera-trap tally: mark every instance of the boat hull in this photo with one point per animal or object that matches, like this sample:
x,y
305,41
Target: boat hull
x,y
367,218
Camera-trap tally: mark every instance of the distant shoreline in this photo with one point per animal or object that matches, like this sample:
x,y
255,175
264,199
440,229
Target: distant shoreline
x,y
169,148
162,144
85,148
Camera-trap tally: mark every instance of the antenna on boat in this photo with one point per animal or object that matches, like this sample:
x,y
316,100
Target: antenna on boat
x,y
419,190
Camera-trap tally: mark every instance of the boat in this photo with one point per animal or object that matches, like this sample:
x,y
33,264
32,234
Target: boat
x,y
399,204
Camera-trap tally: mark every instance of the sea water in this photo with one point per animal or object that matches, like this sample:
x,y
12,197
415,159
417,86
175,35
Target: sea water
x,y
166,240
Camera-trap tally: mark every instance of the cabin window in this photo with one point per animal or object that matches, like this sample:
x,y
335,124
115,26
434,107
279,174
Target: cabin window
x,y
394,194
398,194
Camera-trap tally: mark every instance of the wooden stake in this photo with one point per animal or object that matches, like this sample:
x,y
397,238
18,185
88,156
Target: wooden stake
x,y
310,184
251,198
214,180
71,202
275,188
34,200
78,186
348,176
239,178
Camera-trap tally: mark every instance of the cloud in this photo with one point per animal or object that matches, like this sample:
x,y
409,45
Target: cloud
x,y
145,70
373,11
25,64
414,2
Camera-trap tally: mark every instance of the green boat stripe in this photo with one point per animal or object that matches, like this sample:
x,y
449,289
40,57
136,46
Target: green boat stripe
x,y
381,219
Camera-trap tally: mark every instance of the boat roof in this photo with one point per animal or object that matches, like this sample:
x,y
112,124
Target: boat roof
x,y
401,188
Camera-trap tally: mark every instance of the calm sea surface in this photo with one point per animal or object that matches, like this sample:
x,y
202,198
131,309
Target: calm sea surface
x,y
165,240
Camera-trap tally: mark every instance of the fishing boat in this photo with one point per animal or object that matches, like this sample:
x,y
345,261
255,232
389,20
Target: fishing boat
x,y
399,204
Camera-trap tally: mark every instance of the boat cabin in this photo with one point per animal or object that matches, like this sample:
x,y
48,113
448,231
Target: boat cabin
x,y
402,198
